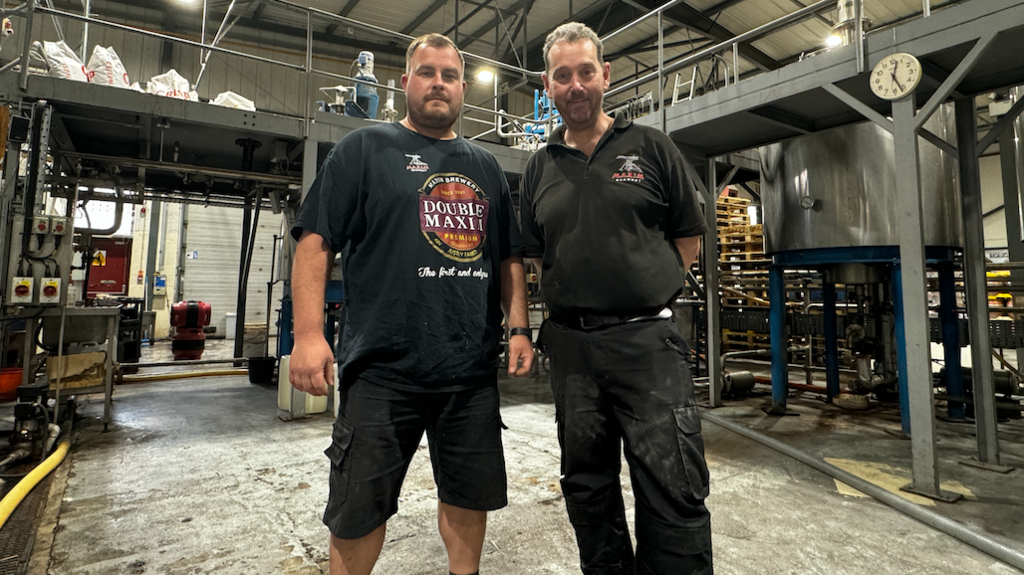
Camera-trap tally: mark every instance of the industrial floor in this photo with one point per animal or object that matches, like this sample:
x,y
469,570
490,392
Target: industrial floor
x,y
200,476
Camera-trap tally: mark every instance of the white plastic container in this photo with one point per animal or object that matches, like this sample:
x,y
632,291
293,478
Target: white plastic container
x,y
229,319
314,404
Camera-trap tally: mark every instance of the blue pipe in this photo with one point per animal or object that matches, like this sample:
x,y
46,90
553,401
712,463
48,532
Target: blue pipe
x,y
901,347
285,337
777,324
951,341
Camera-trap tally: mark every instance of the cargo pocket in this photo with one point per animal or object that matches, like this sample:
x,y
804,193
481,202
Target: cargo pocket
x,y
341,440
694,481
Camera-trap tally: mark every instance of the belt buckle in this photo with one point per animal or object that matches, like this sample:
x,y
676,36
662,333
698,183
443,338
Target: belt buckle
x,y
584,326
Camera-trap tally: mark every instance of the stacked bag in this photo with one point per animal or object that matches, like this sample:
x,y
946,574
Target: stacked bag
x,y
106,68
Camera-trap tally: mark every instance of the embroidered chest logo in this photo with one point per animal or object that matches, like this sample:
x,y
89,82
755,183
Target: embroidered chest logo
x,y
453,216
630,171
416,164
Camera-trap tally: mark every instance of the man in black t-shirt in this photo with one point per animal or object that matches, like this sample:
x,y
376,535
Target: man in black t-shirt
x,y
431,255
606,209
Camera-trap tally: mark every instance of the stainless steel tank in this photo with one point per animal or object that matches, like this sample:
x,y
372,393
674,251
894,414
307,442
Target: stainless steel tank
x,y
837,188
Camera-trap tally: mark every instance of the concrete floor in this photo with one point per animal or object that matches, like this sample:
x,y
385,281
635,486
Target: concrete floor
x,y
200,476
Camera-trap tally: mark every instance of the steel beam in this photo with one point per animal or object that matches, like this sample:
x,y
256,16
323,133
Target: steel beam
x,y
939,142
976,283
859,106
1008,164
954,79
916,359
424,16
1005,122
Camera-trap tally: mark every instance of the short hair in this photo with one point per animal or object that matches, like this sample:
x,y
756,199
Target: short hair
x,y
572,32
434,40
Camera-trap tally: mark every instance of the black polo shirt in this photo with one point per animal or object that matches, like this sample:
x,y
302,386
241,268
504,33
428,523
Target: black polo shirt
x,y
604,225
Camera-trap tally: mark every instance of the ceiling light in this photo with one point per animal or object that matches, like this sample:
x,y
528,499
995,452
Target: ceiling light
x,y
484,75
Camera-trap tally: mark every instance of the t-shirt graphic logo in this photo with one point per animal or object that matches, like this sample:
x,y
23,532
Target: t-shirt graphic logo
x,y
453,216
416,164
630,171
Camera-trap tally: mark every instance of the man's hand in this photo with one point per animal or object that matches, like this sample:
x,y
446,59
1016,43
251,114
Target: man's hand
x,y
312,366
520,355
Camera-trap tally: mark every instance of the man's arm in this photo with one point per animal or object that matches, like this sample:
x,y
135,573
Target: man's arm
x,y
513,303
689,250
312,362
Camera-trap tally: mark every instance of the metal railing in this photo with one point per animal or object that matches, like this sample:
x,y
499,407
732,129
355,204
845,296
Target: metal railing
x,y
728,48
29,9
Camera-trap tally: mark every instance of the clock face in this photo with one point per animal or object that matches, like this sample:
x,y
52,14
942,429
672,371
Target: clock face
x,y
895,76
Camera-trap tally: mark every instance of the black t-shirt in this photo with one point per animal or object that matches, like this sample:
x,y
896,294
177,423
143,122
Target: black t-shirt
x,y
422,226
604,225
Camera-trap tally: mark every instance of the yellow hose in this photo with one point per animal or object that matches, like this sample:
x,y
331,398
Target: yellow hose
x,y
181,375
11,501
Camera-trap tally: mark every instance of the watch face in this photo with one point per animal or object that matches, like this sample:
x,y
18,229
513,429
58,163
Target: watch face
x,y
895,76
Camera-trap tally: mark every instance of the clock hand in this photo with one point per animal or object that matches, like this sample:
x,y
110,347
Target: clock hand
x,y
902,89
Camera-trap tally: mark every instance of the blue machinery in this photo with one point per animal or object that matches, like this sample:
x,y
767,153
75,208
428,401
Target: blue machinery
x,y
334,298
944,260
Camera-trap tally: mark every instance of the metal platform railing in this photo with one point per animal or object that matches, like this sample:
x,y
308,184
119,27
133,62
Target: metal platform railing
x,y
727,48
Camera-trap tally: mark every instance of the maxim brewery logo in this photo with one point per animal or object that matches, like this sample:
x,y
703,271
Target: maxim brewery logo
x,y
453,216
416,164
630,171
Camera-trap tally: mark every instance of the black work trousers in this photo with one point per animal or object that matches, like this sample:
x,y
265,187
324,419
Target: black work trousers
x,y
629,384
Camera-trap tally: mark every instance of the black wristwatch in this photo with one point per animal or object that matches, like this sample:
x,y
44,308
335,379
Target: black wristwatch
x,y
521,331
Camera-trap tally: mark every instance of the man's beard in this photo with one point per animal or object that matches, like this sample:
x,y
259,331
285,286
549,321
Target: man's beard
x,y
581,115
435,118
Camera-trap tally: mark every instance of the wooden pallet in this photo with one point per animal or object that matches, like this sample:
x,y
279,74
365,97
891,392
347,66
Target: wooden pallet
x,y
740,340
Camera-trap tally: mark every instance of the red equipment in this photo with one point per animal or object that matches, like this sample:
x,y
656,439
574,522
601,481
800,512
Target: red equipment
x,y
188,319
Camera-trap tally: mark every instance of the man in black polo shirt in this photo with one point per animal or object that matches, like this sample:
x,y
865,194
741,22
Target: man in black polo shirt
x,y
606,209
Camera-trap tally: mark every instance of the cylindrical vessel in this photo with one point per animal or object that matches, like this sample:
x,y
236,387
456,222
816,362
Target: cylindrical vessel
x,y
837,188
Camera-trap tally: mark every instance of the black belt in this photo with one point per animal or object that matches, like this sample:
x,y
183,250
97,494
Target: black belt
x,y
588,321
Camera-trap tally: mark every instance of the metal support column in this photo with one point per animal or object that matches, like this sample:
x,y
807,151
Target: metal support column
x,y
916,358
1009,158
955,410
777,328
830,324
976,284
240,299
152,245
716,376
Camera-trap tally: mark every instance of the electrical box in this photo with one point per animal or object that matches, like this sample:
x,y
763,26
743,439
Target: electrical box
x,y
58,225
40,225
49,291
21,290
160,285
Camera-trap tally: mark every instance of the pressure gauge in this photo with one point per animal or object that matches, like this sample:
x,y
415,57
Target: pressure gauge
x,y
895,76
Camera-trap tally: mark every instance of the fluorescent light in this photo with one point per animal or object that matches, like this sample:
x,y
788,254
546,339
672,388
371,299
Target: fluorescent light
x,y
834,41
484,75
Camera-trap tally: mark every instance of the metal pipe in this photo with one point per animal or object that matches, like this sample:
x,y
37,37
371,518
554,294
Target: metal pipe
x,y
85,30
977,540
927,9
398,35
661,71
10,65
858,11
745,37
26,45
656,12
221,31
